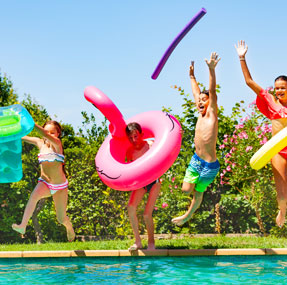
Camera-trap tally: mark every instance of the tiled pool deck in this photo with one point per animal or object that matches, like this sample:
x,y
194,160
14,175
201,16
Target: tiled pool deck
x,y
158,252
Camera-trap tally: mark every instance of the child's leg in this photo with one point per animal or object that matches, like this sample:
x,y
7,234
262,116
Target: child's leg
x,y
279,167
195,203
153,194
40,191
135,198
60,199
187,188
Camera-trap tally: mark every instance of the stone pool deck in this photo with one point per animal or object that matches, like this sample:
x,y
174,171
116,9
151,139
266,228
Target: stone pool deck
x,y
142,253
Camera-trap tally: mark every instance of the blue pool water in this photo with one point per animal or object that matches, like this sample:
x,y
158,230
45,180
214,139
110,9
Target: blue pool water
x,y
146,270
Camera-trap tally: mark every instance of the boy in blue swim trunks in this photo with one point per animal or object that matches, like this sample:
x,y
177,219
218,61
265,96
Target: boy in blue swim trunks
x,y
204,165
137,149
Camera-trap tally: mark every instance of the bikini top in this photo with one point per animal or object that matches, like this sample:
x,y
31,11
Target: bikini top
x,y
52,156
268,107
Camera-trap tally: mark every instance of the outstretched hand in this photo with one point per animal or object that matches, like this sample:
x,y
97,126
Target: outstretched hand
x,y
214,59
191,69
241,48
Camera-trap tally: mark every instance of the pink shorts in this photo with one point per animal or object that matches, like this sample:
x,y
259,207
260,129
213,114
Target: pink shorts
x,y
54,187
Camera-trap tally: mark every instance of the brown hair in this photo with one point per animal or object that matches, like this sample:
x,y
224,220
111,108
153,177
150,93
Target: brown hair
x,y
281,77
56,125
206,92
133,127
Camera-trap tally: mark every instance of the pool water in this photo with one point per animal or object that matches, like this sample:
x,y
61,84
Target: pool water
x,y
146,270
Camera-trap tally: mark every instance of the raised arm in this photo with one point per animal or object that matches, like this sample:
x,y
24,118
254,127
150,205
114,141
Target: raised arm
x,y
194,86
56,142
214,59
241,51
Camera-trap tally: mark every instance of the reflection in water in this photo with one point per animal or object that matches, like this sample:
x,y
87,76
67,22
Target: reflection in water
x,y
143,270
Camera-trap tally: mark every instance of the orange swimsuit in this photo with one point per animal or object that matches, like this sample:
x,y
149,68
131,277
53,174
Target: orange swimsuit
x,y
271,110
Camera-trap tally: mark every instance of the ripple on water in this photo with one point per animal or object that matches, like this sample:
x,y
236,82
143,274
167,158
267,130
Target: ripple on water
x,y
144,270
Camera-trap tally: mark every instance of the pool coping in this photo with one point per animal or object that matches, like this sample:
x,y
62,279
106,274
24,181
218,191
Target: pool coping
x,y
142,253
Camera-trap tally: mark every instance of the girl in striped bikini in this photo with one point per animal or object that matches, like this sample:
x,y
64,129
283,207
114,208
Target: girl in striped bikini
x,y
53,181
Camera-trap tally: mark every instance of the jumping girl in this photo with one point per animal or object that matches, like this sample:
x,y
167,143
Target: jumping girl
x,y
53,181
275,109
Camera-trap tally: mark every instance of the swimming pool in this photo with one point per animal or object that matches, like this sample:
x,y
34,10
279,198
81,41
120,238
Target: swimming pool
x,y
144,270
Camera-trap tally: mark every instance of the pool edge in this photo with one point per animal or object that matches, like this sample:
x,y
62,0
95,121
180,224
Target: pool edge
x,y
142,253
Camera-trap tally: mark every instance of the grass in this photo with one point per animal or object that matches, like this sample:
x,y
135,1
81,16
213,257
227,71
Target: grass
x,y
184,243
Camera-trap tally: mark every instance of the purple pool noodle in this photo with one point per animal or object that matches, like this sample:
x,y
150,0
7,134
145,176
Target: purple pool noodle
x,y
175,42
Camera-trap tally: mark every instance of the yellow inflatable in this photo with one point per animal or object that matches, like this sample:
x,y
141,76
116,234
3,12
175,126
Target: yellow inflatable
x,y
267,151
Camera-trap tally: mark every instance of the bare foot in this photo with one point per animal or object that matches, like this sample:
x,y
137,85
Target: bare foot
x,y
135,247
151,246
19,229
280,219
71,234
179,221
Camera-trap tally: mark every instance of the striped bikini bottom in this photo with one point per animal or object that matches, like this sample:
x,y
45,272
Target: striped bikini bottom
x,y
54,187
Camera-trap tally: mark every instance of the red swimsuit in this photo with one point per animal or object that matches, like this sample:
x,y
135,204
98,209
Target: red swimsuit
x,y
271,110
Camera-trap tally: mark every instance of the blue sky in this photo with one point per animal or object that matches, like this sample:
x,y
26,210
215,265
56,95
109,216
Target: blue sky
x,y
53,49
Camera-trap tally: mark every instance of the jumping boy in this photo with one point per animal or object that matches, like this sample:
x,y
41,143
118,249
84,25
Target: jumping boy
x,y
137,149
204,165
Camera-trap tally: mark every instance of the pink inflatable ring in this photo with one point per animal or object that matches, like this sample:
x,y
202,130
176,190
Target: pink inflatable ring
x,y
111,166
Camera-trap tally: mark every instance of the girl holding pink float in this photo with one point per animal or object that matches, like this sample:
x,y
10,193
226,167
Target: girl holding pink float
x,y
52,181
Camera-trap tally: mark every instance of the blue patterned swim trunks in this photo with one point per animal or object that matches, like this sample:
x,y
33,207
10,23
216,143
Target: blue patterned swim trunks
x,y
201,173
